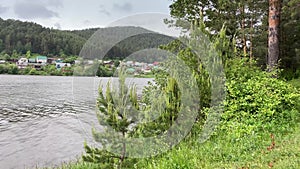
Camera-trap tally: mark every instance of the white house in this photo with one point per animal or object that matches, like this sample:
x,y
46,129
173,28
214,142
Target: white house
x,y
22,63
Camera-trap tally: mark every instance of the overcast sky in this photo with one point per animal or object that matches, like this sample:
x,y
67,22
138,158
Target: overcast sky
x,y
79,14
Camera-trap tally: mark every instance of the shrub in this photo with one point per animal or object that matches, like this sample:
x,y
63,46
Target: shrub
x,y
257,102
3,69
13,69
8,69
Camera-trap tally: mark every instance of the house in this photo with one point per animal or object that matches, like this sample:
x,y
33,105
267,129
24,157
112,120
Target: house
x,y
146,70
22,63
89,62
138,64
32,60
61,65
51,60
130,70
41,59
129,63
58,61
77,62
155,63
108,62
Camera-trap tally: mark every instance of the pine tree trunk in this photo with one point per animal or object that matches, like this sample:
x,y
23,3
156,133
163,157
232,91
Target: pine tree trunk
x,y
273,40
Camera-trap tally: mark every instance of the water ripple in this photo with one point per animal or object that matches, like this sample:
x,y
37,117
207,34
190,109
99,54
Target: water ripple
x,y
45,120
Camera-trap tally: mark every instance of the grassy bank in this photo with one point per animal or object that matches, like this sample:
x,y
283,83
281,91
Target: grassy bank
x,y
264,149
256,151
223,151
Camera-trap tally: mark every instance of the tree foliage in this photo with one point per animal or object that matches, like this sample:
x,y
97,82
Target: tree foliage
x,y
290,35
25,36
246,23
124,116
18,37
256,102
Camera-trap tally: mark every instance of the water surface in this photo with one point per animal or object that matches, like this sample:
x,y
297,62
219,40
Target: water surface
x,y
44,120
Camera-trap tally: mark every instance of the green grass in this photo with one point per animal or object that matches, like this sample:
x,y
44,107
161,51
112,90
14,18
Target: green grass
x,y
145,76
224,151
76,165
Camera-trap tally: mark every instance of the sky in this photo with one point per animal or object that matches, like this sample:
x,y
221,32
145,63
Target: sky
x,y
81,14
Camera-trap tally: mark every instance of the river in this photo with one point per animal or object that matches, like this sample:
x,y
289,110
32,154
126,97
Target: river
x,y
44,120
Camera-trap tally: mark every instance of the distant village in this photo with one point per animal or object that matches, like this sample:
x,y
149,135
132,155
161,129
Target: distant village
x,y
39,61
131,67
137,68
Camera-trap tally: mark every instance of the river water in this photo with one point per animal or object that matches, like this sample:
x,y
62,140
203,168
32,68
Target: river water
x,y
44,120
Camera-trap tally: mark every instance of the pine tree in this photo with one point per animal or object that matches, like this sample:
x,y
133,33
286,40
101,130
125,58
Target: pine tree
x,y
273,41
116,112
125,117
244,21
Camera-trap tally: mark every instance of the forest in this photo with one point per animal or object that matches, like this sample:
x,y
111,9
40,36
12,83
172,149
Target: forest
x,y
247,25
20,37
17,37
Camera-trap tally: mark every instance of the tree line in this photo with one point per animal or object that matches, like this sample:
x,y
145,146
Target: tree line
x,y
247,24
20,37
17,38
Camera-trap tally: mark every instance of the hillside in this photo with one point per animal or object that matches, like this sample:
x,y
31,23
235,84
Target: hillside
x,y
24,36
119,42
19,37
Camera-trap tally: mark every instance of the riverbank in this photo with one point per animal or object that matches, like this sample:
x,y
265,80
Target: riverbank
x,y
223,152
50,70
258,150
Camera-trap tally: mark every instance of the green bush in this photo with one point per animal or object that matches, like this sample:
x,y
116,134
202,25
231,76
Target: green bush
x,y
3,69
13,69
257,102
8,69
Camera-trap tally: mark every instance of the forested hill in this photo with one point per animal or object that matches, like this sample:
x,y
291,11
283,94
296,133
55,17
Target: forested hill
x,y
24,36
17,37
86,33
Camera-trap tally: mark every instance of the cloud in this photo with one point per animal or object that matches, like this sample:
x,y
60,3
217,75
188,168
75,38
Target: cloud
x,y
127,7
48,3
3,9
33,10
103,10
55,3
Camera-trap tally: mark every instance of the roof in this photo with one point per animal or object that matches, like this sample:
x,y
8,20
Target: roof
x,y
41,57
130,70
31,59
58,61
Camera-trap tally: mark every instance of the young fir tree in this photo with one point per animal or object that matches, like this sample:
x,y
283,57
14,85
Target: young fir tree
x,y
120,112
116,112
